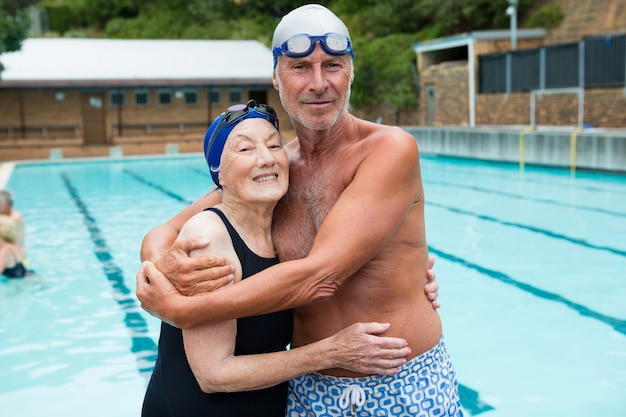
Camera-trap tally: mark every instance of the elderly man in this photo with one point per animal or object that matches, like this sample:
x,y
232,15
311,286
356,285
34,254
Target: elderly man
x,y
350,234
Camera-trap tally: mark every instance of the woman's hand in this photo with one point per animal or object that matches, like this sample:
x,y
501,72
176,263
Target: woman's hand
x,y
432,286
358,348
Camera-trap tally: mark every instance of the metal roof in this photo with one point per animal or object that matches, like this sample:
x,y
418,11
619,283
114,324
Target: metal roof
x,y
53,62
462,39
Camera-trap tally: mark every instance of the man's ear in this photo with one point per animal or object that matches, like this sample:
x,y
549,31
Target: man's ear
x,y
274,81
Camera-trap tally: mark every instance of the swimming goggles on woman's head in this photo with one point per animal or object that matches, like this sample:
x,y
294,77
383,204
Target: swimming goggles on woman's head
x,y
302,45
218,132
237,112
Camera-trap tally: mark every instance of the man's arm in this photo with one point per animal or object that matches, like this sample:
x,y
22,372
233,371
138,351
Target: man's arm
x,y
189,275
355,230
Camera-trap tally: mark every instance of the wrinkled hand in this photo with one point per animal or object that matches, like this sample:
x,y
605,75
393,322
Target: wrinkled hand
x,y
358,348
193,275
155,292
432,286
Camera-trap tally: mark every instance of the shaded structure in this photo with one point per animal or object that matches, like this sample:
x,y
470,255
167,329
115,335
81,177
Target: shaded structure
x,y
95,94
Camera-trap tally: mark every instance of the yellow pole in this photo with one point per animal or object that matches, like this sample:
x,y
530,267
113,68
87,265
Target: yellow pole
x,y
572,161
522,146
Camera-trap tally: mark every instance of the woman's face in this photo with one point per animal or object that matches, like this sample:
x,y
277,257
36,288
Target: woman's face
x,y
254,165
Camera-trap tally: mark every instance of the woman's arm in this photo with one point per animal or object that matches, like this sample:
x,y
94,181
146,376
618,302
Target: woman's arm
x,y
210,350
5,253
190,275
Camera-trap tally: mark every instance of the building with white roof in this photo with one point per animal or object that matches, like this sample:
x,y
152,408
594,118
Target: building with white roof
x,y
105,91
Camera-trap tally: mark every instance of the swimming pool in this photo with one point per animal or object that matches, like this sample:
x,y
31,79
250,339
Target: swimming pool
x,y
531,265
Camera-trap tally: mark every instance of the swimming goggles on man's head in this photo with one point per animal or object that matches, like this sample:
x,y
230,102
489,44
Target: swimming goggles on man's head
x,y
302,45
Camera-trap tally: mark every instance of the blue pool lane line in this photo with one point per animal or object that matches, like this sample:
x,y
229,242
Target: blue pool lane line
x,y
151,184
143,347
618,324
469,397
203,172
515,175
549,233
593,209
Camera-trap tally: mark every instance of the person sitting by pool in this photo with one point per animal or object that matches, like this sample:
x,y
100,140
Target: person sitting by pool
x,y
11,259
240,367
6,208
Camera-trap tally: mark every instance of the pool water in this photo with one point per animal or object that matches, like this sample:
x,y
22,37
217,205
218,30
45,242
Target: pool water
x,y
531,264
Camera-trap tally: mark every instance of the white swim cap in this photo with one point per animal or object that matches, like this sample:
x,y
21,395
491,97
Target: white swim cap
x,y
310,19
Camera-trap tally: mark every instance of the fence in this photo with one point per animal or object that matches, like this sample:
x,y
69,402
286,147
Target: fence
x,y
594,62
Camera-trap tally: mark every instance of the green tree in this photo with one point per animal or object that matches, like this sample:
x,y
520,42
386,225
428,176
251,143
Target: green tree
x,y
383,31
547,16
385,73
14,24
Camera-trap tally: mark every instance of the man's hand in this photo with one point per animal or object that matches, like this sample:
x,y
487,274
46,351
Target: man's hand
x,y
155,292
432,287
193,275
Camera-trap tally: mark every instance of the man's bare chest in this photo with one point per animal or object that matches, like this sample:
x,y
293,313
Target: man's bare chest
x,y
300,213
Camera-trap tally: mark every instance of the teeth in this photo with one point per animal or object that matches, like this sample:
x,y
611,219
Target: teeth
x,y
266,178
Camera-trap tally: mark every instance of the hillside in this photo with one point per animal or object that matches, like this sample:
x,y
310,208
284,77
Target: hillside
x,y
586,17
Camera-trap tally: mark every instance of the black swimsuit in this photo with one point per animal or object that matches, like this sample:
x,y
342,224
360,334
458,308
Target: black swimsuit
x,y
16,271
173,389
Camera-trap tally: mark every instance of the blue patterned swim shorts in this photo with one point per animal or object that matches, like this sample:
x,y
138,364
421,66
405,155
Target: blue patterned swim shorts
x,y
425,386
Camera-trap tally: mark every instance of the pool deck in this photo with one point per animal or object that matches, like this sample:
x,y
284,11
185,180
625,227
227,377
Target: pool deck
x,y
563,147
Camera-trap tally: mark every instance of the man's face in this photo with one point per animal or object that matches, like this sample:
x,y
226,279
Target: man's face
x,y
315,89
5,207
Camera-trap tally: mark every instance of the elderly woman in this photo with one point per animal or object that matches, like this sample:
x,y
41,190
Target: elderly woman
x,y
11,258
240,367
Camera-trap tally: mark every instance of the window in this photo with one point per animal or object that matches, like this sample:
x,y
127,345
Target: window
x,y
191,96
235,95
215,96
165,97
117,98
142,98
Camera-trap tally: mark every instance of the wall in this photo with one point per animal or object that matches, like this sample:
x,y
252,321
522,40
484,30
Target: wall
x,y
451,90
594,150
603,107
58,124
41,109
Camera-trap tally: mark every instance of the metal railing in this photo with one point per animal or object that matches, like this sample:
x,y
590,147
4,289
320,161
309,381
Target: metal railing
x,y
39,132
141,129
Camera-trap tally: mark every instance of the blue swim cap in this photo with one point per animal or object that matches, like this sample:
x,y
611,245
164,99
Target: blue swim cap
x,y
217,133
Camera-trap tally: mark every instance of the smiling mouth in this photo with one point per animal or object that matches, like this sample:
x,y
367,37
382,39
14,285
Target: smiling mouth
x,y
266,178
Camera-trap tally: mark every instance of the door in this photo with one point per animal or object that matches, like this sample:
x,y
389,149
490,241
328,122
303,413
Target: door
x,y
260,96
93,119
431,104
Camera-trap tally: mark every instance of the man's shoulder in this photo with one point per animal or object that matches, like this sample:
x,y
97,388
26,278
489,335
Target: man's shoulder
x,y
379,131
390,139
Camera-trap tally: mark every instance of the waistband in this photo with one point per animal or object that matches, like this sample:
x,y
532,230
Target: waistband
x,y
417,367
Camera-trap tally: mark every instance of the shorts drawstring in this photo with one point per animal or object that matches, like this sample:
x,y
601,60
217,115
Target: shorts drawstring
x,y
352,395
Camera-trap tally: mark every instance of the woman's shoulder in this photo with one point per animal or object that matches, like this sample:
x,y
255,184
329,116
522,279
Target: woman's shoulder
x,y
206,223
